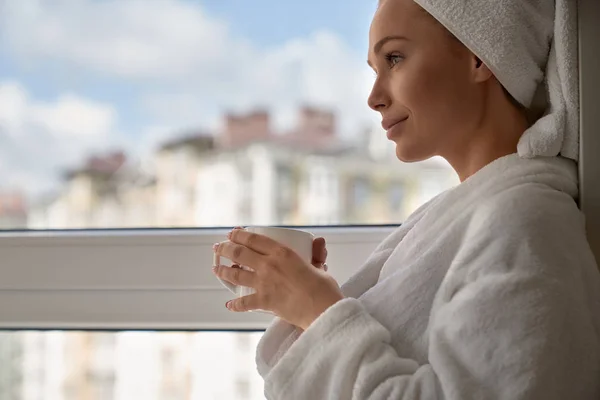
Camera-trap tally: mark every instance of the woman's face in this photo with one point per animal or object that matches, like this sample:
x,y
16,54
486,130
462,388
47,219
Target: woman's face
x,y
425,88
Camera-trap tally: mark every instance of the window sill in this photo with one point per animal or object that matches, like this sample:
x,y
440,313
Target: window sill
x,y
139,279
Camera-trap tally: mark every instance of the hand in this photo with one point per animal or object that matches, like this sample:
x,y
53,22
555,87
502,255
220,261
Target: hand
x,y
319,253
285,284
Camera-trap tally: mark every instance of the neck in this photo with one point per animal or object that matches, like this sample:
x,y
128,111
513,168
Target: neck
x,y
496,136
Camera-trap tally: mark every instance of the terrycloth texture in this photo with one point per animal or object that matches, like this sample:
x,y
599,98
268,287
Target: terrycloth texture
x,y
489,291
522,41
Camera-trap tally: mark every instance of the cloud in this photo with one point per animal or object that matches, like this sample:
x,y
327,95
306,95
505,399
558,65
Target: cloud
x,y
189,64
137,39
318,70
38,139
72,118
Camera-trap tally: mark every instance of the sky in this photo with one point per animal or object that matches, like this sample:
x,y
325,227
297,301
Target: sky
x,y
83,76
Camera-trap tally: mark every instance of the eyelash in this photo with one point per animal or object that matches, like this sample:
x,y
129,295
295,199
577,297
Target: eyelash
x,y
390,57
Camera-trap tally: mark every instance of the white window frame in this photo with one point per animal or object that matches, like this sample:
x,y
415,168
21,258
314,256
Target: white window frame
x,y
161,279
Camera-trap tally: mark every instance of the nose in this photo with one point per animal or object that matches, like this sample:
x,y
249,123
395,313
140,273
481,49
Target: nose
x,y
379,99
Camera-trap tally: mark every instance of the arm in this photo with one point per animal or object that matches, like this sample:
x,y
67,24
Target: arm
x,y
280,335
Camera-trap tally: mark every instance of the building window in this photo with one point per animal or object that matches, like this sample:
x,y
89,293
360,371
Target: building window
x,y
285,192
396,197
361,191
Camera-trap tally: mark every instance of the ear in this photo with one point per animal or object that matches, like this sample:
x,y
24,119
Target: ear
x,y
481,72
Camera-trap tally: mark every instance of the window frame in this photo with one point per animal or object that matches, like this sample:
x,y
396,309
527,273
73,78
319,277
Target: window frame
x,y
589,84
109,279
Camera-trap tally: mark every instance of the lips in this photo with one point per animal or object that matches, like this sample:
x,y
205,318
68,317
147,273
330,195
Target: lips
x,y
388,124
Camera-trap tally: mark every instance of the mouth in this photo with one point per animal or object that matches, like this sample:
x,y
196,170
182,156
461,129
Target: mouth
x,y
388,124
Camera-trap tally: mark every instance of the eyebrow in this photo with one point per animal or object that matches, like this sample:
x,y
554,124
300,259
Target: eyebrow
x,y
386,39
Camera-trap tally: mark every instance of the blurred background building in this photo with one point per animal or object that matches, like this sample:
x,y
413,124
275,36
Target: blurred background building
x,y
245,174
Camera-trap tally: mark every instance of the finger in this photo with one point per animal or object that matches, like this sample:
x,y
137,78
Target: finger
x,y
238,254
237,276
246,303
258,243
319,251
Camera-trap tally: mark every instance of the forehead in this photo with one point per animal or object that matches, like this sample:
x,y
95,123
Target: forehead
x,y
397,17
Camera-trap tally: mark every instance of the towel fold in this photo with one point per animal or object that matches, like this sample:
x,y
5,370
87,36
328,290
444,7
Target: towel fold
x,y
531,47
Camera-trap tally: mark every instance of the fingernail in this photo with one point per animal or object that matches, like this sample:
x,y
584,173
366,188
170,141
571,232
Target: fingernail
x,y
230,234
228,304
215,246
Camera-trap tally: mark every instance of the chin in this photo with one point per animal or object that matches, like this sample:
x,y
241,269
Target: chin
x,y
411,154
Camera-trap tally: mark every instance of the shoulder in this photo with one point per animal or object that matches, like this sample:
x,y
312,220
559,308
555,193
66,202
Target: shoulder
x,y
525,209
530,228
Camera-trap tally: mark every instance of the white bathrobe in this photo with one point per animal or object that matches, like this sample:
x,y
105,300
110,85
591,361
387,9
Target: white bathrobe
x,y
489,291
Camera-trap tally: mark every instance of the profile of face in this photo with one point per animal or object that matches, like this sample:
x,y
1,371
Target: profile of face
x,y
428,88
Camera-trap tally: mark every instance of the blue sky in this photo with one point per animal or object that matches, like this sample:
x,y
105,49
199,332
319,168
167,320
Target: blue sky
x,y
82,75
271,22
266,23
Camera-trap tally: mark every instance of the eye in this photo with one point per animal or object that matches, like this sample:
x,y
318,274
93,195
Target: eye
x,y
393,59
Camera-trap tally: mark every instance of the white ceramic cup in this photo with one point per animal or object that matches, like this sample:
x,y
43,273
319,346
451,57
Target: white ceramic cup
x,y
299,241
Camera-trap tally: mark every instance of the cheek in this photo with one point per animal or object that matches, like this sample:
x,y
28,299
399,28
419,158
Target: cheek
x,y
436,110
433,99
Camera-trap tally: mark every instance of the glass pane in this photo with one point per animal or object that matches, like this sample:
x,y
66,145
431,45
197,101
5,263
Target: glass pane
x,y
73,365
202,113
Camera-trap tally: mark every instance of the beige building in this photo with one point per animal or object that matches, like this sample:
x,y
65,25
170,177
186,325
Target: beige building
x,y
13,210
248,174
108,191
177,164
310,177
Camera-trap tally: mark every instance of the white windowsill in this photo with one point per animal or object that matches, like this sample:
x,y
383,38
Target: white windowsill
x,y
137,279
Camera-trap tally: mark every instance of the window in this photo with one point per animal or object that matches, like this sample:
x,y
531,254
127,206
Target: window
x,y
114,128
122,123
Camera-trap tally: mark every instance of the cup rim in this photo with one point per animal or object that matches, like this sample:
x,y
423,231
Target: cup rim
x,y
286,229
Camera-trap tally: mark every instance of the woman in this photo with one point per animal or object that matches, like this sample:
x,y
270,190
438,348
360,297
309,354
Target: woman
x,y
488,291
